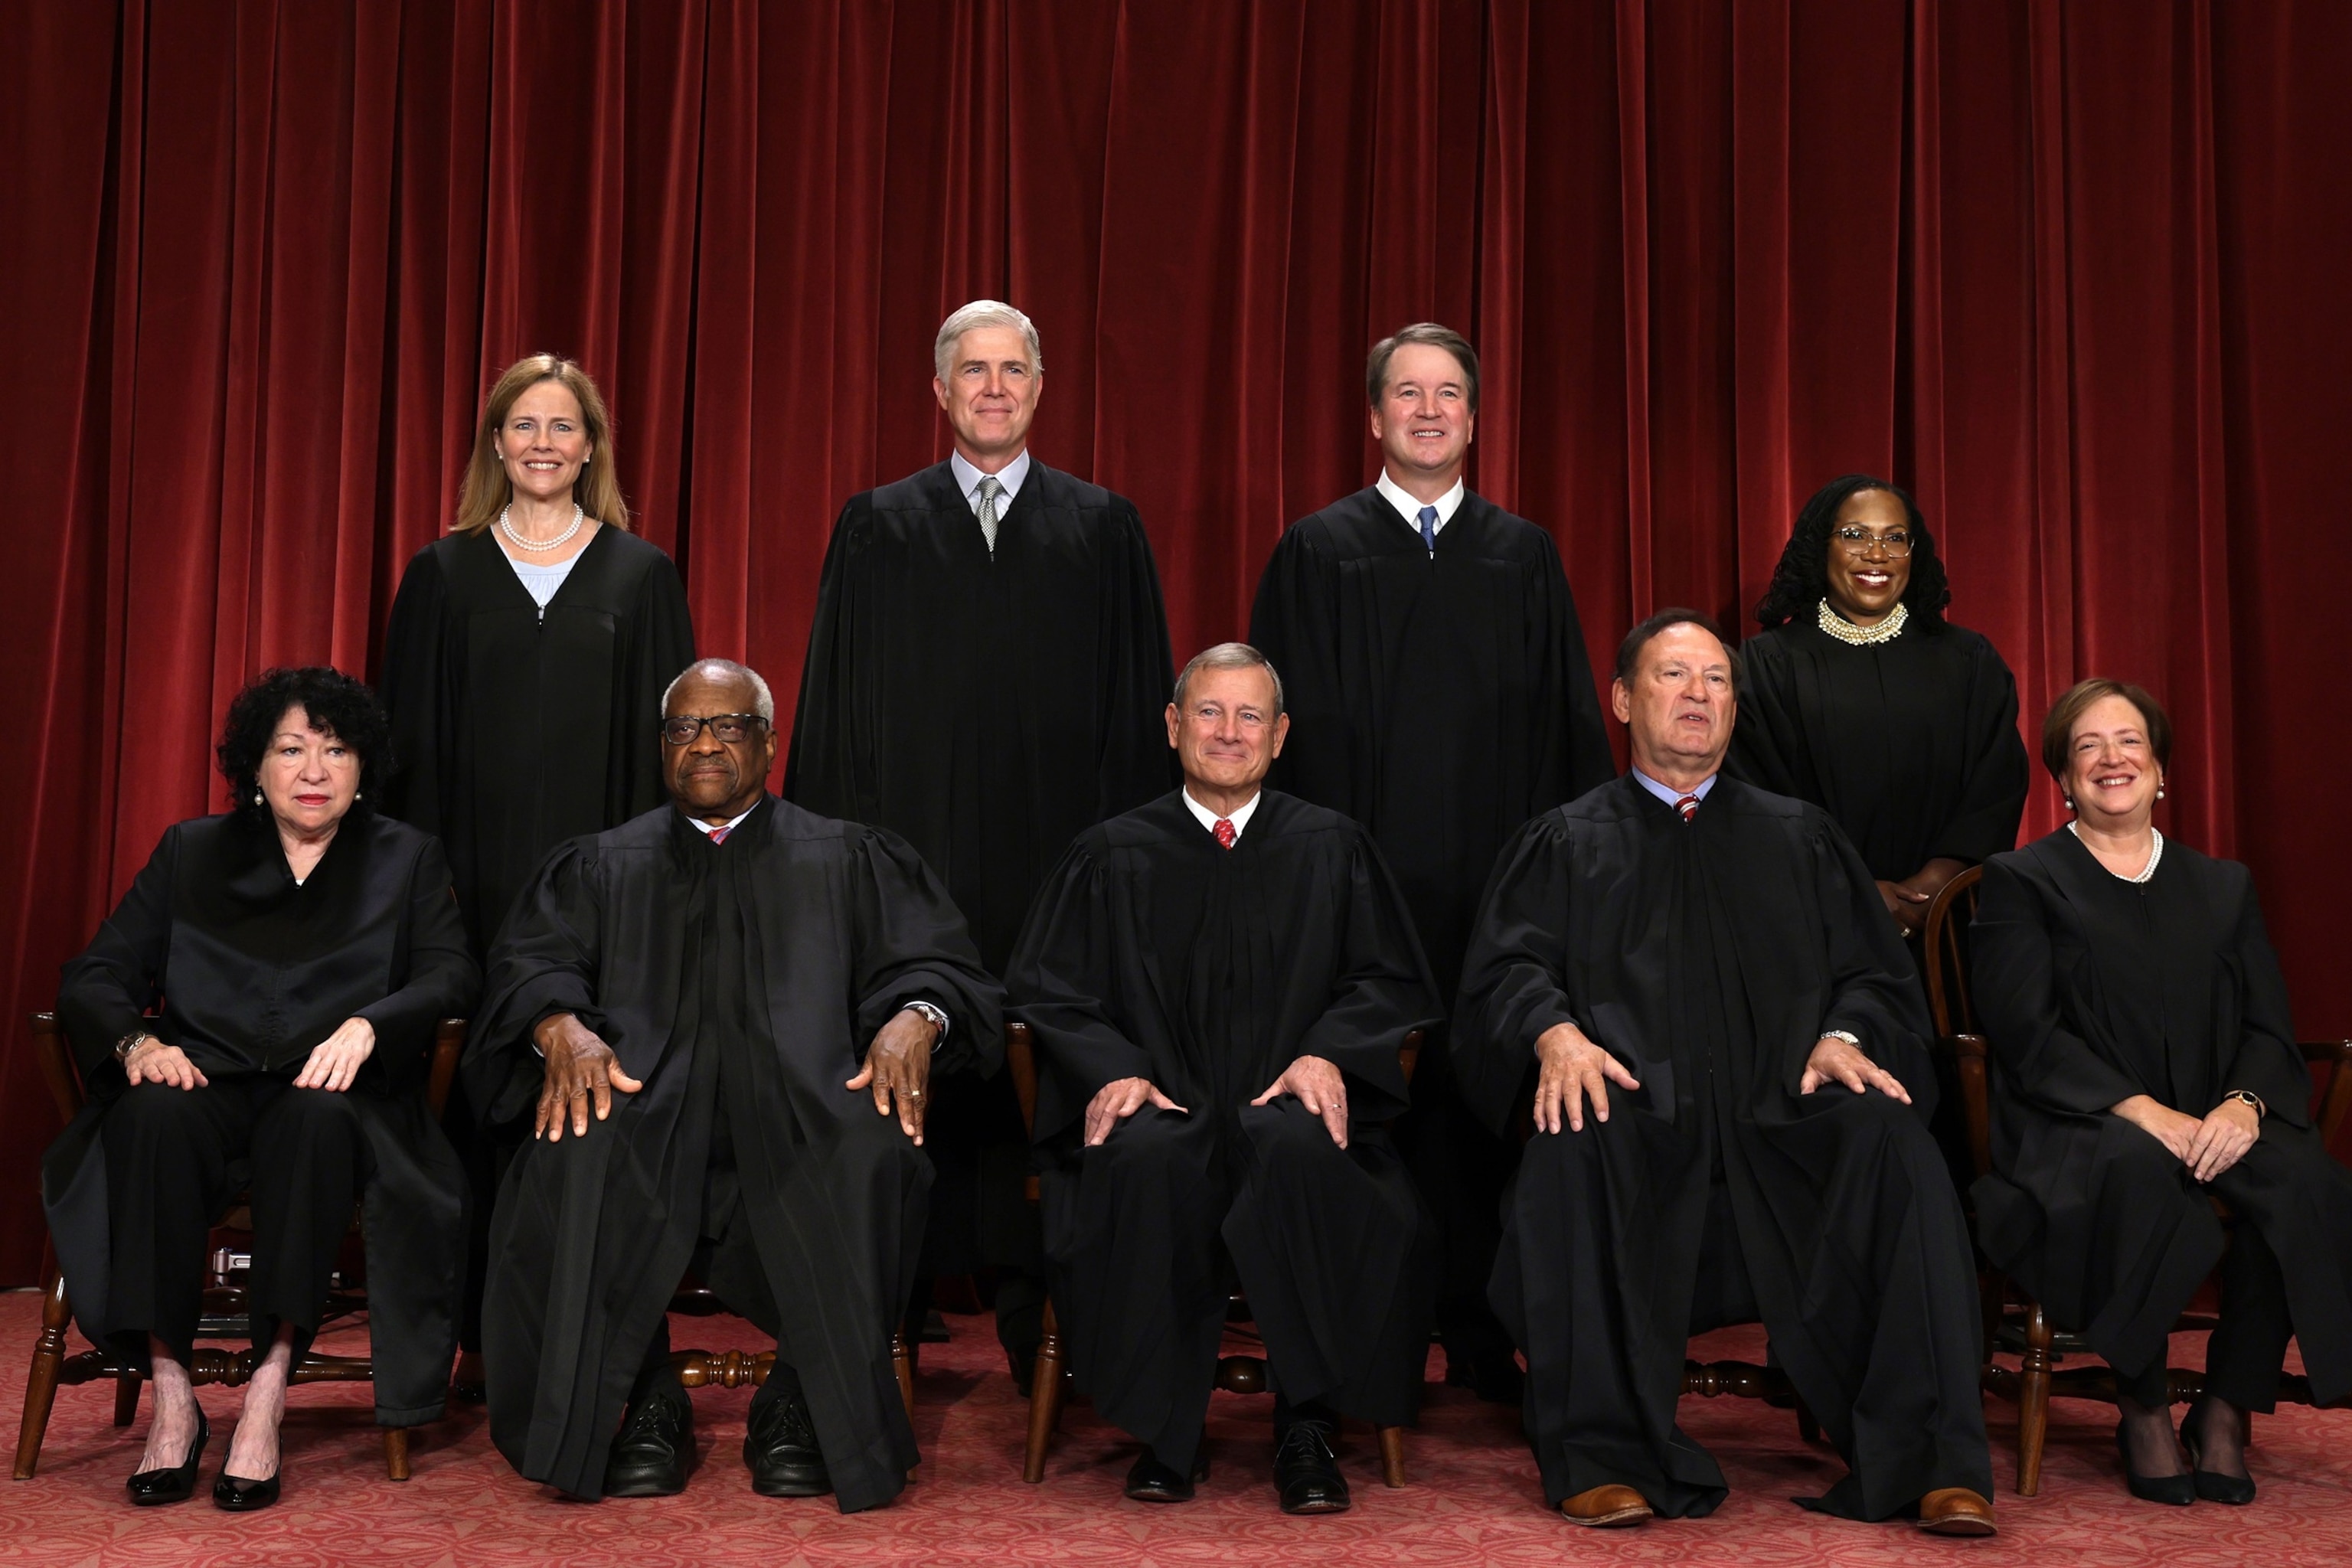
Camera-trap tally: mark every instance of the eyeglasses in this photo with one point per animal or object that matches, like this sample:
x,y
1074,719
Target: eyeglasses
x,y
1858,541
732,729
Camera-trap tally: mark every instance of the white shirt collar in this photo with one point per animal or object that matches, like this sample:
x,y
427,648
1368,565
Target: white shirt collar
x,y
708,828
968,477
1668,795
1208,819
1409,506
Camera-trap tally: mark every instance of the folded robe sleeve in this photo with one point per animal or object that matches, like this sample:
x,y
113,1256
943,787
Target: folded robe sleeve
x,y
2268,1063
1515,980
1062,969
1992,796
105,990
1382,993
2046,1061
1873,991
546,961
911,945
442,980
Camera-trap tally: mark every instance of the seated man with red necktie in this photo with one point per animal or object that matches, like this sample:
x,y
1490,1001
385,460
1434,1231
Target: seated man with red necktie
x,y
1720,1022
1218,983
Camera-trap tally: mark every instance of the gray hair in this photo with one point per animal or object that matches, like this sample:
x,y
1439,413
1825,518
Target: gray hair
x,y
763,701
1230,656
983,313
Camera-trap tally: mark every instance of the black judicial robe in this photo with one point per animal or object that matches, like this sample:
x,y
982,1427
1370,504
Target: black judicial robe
x,y
985,709
511,731
744,979
2092,989
252,972
1154,951
1911,745
1710,958
1440,699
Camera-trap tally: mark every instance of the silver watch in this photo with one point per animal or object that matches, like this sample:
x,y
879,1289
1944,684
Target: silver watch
x,y
1846,1034
936,1017
129,1043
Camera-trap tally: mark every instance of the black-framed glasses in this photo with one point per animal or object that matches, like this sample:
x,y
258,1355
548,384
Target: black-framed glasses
x,y
732,729
1858,541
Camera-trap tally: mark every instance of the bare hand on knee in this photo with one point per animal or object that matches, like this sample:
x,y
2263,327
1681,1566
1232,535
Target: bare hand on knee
x,y
335,1061
1121,1098
580,1068
1320,1088
1571,1070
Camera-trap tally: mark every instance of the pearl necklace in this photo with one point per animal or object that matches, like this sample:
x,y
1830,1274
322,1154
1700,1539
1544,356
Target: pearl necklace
x,y
2147,872
1845,631
558,543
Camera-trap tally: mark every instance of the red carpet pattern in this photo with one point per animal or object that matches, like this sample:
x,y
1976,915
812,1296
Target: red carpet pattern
x,y
1471,1499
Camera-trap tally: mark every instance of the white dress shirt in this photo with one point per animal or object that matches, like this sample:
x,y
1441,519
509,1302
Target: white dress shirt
x,y
1208,819
1410,505
968,477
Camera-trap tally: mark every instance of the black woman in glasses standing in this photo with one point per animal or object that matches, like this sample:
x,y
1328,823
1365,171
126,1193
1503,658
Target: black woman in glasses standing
x,y
1859,697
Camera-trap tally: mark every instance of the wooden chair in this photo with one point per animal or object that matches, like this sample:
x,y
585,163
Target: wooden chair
x,y
2014,1320
1235,1374
224,1299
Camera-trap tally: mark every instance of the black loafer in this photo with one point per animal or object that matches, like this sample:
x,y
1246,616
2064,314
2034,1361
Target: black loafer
x,y
178,1484
782,1450
1151,1481
1307,1473
233,1494
649,1458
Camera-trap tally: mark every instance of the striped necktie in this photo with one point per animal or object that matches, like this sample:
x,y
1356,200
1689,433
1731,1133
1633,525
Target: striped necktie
x,y
718,834
1688,806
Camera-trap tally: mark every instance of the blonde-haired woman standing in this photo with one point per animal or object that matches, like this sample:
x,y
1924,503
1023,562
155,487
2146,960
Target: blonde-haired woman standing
x,y
525,663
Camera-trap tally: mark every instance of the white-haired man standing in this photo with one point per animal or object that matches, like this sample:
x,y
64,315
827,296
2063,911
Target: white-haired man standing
x,y
986,677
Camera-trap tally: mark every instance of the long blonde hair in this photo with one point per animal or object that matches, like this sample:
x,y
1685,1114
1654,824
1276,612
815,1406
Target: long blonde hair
x,y
486,491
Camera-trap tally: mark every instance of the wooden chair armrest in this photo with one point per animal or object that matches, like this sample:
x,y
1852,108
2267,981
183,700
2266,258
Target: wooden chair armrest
x,y
1021,1061
1974,1058
448,1041
58,1070
2335,1057
1409,1054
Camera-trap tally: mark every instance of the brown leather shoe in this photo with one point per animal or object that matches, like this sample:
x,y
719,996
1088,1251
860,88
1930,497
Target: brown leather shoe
x,y
1955,1511
1608,1507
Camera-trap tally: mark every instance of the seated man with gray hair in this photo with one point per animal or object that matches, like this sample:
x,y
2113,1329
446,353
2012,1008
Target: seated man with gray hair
x,y
1219,983
721,1020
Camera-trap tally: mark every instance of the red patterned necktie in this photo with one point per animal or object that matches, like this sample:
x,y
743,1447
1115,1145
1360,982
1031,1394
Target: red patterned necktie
x,y
1225,833
1688,807
718,834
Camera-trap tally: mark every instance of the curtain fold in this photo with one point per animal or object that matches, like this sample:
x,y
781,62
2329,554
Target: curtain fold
x,y
2070,270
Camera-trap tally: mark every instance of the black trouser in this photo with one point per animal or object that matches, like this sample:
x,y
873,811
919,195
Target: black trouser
x,y
173,1159
2248,1347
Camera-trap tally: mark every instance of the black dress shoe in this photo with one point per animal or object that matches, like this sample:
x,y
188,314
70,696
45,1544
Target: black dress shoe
x,y
1151,1481
178,1483
233,1494
2214,1486
2174,1491
1306,1473
781,1449
649,1458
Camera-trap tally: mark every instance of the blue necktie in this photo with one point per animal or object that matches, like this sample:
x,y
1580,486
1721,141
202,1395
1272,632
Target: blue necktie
x,y
1429,528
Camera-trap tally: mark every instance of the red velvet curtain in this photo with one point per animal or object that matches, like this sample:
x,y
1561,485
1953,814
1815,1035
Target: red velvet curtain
x,y
2073,272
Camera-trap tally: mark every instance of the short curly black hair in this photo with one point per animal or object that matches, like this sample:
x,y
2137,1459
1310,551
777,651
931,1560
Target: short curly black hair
x,y
1801,580
336,704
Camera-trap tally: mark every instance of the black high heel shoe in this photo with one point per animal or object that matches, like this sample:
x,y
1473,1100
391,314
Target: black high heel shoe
x,y
2175,1491
2213,1485
233,1494
151,1488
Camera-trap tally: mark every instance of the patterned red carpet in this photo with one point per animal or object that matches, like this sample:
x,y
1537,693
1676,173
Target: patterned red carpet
x,y
1473,1496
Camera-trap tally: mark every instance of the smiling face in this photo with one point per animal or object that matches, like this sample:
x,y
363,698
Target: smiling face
x,y
1865,587
1678,706
2112,774
542,442
308,777
1423,420
1227,733
710,778
990,395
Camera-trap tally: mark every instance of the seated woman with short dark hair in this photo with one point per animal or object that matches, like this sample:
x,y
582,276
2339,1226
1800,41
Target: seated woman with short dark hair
x,y
300,949
2145,1066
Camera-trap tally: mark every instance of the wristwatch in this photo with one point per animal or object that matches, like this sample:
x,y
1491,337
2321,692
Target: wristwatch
x,y
129,1043
2250,1098
1847,1035
936,1017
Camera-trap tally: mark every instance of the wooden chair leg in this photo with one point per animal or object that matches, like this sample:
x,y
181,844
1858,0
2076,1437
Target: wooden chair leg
x,y
126,1399
2032,1401
41,1379
1045,1398
395,1452
1392,1456
903,1363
